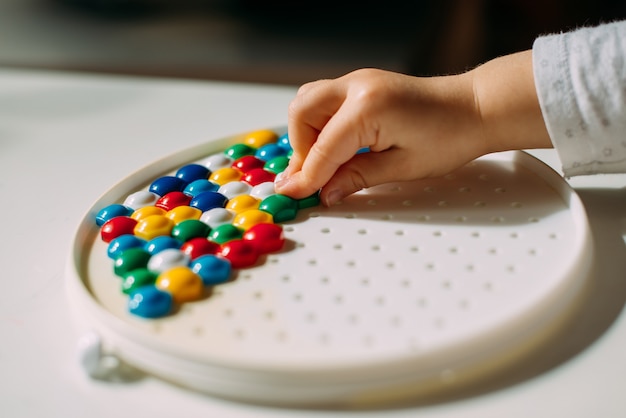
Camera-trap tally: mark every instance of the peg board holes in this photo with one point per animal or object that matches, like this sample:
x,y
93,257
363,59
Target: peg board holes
x,y
394,275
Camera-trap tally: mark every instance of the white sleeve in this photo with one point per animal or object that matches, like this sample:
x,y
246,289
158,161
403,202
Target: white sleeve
x,y
580,78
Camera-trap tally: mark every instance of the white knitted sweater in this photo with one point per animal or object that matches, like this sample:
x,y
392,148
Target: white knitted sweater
x,y
580,78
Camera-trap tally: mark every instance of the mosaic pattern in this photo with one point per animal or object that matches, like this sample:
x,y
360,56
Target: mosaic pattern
x,y
188,231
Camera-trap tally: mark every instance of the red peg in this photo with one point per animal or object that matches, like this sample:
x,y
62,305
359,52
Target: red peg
x,y
265,237
258,176
114,227
240,253
248,163
196,247
172,199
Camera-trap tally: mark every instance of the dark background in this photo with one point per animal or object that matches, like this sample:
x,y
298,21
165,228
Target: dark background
x,y
280,42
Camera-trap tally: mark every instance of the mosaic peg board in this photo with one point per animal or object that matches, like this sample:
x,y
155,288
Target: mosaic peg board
x,y
401,289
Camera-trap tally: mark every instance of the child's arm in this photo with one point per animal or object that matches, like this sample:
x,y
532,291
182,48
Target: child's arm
x,y
415,127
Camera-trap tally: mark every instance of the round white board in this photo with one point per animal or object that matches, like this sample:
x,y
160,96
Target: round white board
x,y
402,289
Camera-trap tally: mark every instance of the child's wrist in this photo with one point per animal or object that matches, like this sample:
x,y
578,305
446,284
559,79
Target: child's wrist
x,y
506,101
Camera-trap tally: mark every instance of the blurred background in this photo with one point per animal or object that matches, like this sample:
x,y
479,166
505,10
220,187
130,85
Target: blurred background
x,y
277,41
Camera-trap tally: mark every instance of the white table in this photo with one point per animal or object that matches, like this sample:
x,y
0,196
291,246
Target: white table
x,y
66,138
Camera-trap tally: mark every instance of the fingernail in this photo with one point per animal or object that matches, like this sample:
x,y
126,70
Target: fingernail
x,y
281,180
333,197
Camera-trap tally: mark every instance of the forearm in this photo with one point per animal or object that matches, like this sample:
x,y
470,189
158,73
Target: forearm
x,y
506,98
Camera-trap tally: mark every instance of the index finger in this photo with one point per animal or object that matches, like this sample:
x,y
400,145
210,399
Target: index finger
x,y
340,139
311,109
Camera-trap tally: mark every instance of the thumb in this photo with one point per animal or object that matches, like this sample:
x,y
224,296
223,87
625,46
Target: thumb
x,y
366,170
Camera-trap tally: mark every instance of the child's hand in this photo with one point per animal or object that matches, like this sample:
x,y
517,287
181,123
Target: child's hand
x,y
415,127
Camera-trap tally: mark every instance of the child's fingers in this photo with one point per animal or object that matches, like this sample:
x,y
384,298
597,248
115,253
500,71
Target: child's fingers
x,y
315,172
342,136
309,112
366,170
